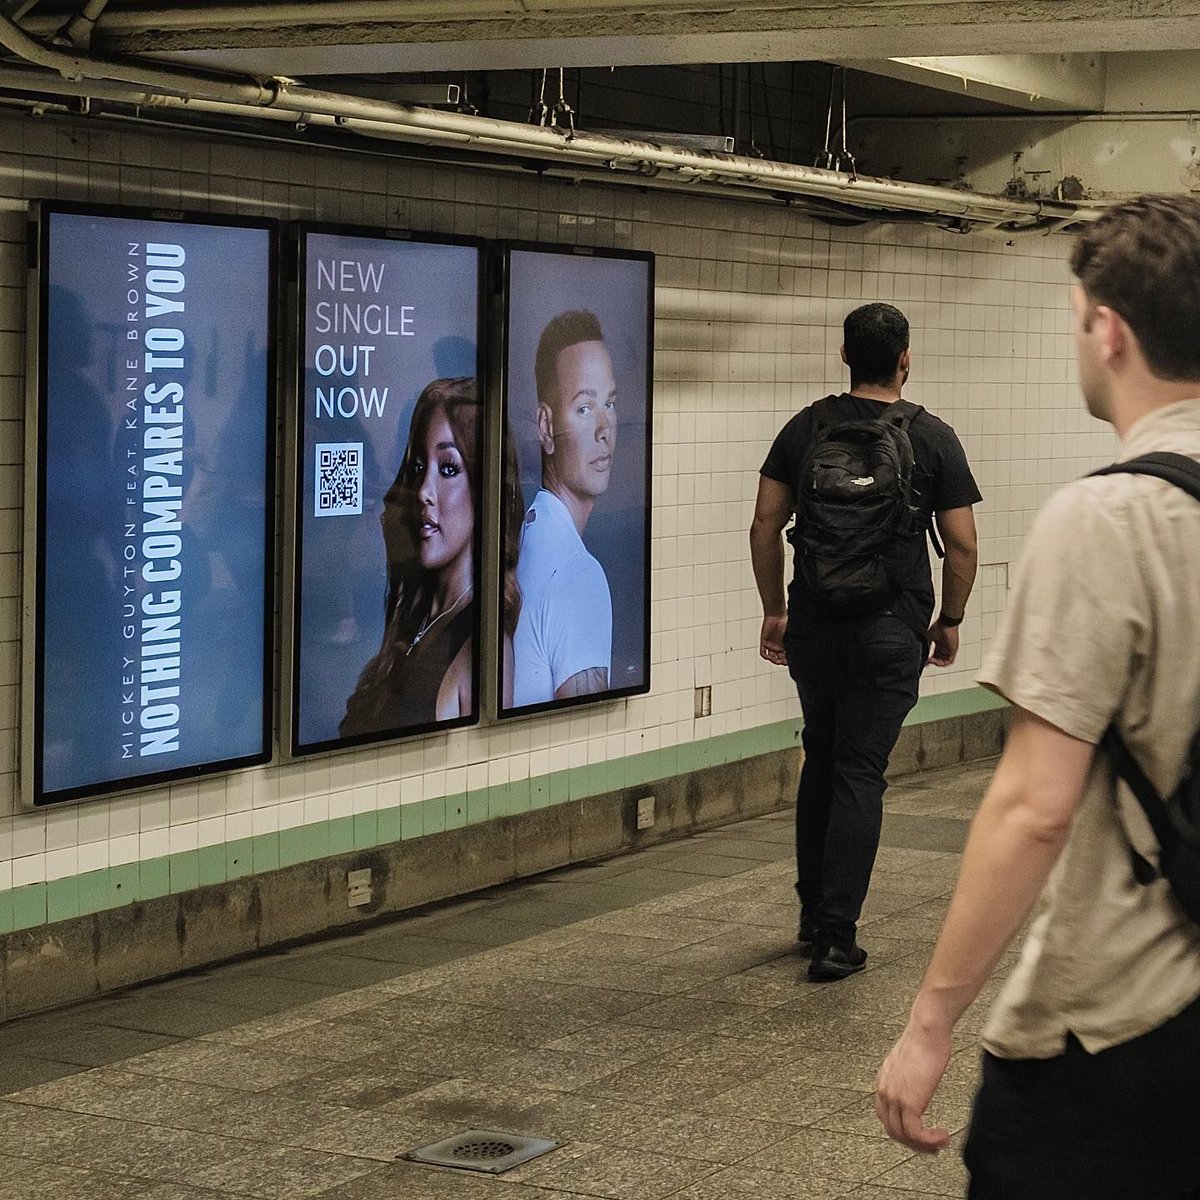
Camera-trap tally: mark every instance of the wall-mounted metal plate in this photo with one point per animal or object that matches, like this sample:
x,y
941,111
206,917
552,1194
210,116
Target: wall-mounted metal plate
x,y
481,1150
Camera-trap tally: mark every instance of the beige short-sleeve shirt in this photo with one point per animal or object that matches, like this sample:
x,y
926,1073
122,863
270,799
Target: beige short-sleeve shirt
x,y
1104,621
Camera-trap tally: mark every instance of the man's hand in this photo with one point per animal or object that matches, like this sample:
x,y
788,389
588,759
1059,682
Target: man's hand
x,y
770,641
944,644
905,1085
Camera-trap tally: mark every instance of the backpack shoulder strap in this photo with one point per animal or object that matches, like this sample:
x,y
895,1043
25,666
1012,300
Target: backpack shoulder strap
x,y
1184,473
1179,469
1129,769
903,413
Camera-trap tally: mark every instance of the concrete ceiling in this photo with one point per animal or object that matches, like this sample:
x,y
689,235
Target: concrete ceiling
x,y
308,38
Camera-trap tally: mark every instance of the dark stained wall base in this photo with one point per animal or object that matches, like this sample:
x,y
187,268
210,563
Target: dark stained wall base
x,y
77,959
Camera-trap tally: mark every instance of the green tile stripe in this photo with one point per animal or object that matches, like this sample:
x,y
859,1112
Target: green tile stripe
x,y
94,891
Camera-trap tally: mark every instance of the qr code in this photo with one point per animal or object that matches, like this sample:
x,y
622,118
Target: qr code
x,y
339,479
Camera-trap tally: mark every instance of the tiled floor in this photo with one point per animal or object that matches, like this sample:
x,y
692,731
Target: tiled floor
x,y
648,1012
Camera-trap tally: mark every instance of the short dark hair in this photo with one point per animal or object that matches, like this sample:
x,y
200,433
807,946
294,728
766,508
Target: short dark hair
x,y
875,336
567,329
1142,259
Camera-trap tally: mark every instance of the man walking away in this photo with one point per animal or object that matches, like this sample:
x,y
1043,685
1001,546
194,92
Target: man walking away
x,y
866,474
1089,1076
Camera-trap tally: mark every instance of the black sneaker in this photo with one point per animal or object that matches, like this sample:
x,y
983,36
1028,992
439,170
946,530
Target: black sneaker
x,y
831,961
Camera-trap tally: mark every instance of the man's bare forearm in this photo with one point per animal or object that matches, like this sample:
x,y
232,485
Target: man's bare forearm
x,y
766,556
958,577
1008,858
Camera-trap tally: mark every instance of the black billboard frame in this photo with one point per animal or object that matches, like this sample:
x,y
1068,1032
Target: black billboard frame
x,y
290,659
503,250
31,726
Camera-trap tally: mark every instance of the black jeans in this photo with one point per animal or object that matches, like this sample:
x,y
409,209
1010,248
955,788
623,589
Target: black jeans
x,y
857,681
1118,1125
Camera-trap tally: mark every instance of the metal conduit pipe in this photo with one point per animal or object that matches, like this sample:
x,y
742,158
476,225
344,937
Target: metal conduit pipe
x,y
82,66
379,118
256,16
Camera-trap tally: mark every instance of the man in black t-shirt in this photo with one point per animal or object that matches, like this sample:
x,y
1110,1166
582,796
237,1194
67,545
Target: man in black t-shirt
x,y
857,676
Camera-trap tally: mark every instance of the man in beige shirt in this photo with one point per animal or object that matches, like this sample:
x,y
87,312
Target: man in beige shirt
x,y
1091,1051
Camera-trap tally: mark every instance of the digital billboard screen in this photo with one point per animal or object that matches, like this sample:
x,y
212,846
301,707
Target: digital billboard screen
x,y
151,484
575,598
389,495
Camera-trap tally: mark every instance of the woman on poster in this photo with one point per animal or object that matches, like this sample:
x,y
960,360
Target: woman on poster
x,y
423,671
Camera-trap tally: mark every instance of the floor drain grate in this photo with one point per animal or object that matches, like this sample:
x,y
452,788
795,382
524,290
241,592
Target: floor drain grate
x,y
481,1150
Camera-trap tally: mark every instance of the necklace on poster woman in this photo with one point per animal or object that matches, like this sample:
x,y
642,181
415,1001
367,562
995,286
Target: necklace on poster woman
x,y
426,626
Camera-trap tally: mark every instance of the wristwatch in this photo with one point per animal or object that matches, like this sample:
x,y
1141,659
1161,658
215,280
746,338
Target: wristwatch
x,y
949,622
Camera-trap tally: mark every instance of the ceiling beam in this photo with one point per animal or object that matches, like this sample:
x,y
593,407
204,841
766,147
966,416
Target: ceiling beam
x,y
1039,82
419,35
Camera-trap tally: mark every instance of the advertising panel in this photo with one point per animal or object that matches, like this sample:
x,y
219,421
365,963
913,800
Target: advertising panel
x,y
151,487
575,598
389,495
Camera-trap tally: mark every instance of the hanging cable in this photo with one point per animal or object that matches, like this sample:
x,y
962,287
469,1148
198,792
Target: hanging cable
x,y
562,110
539,113
464,99
845,154
825,158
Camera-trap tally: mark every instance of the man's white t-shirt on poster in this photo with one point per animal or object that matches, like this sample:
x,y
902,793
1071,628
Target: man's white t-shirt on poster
x,y
566,608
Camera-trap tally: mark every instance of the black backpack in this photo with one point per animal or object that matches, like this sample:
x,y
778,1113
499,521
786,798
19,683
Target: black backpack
x,y
1175,820
856,523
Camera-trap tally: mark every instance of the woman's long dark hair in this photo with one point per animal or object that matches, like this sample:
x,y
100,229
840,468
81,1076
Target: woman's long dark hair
x,y
410,587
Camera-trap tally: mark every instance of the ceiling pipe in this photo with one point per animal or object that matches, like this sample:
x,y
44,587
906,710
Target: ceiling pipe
x,y
267,15
154,87
83,66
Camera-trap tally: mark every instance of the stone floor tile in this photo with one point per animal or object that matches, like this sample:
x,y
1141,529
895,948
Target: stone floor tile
x,y
109,1092
780,1098
752,1183
413,949
612,1172
702,1068
355,1085
946,1112
731,841
692,1015
47,1181
474,1103
169,1191
241,1068
259,993
18,1072
642,922
401,1018
90,1045
870,1192
150,1151
371,1135
259,1029
340,970
340,1041
559,1070
938,1175
479,929
278,1120
619,1040
838,1155
412,1181
176,1016
720,1139
282,1173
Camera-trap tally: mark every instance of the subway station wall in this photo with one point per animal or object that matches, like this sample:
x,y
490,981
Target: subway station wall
x,y
749,301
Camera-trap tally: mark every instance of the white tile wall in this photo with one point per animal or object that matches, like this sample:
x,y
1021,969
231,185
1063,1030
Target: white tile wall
x,y
749,305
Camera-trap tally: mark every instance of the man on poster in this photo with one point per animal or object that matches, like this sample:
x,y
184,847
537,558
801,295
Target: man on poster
x,y
563,642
